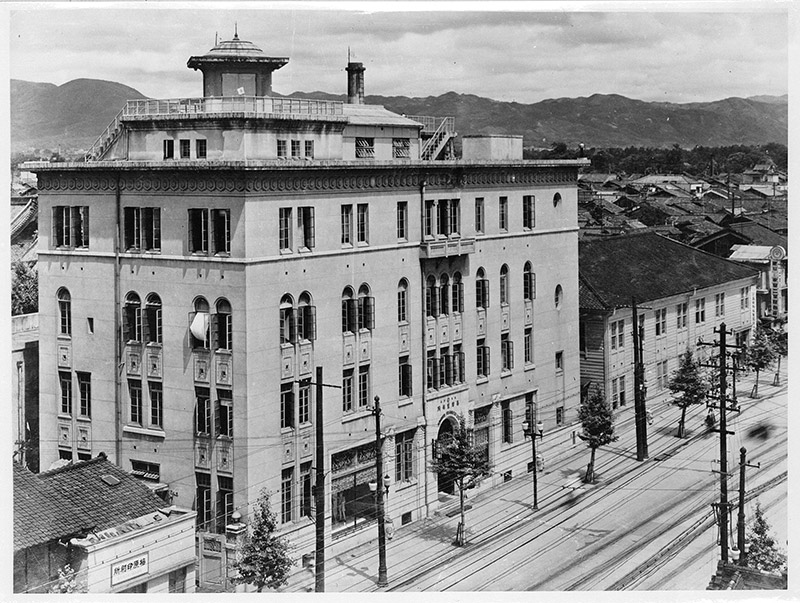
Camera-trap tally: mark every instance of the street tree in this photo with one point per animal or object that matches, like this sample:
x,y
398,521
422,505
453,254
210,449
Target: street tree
x,y
759,355
24,288
458,457
68,582
690,385
764,554
264,558
597,421
779,339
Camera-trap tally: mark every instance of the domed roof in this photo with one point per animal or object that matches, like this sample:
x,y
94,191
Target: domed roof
x,y
235,48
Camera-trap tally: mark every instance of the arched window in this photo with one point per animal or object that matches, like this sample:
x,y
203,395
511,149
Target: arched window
x,y
458,293
481,289
198,324
559,296
222,326
287,323
64,312
366,308
402,300
349,311
556,199
306,317
444,295
431,297
132,318
504,284
153,327
528,282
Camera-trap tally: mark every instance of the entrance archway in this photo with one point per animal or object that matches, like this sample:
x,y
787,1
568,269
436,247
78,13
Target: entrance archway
x,y
445,480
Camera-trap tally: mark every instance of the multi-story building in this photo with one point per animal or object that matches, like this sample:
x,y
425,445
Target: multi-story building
x,y
682,296
239,241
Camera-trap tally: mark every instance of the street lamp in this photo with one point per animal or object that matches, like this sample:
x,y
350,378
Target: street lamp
x,y
378,496
539,433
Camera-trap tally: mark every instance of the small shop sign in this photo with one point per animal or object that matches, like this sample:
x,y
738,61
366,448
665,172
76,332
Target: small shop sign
x,y
129,568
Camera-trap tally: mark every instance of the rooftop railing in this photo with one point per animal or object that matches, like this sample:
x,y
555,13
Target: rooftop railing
x,y
253,105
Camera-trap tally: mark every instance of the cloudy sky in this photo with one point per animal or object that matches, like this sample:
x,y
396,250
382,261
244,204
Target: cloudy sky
x,y
518,51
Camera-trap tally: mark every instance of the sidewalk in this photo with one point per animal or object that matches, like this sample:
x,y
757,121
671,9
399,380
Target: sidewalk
x,y
355,570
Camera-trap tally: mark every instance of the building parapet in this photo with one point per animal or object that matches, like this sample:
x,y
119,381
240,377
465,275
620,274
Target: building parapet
x,y
250,105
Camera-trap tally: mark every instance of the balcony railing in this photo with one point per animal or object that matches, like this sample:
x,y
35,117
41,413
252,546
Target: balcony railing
x,y
251,105
446,248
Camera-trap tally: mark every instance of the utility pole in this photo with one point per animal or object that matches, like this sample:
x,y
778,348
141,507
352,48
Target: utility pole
x,y
722,405
382,578
740,527
638,386
319,494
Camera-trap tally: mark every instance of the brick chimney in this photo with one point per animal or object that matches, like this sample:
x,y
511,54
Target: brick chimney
x,y
355,83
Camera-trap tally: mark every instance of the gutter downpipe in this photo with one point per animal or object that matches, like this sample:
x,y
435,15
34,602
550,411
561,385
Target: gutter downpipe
x,y
117,328
422,183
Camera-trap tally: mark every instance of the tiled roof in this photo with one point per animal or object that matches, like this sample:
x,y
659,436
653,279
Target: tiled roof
x,y
370,115
760,235
75,499
651,267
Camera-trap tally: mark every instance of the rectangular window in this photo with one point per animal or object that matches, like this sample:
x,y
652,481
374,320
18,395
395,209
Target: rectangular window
x,y
203,484
363,223
347,224
402,305
201,148
347,390
65,316
614,393
404,377
285,228
503,217
401,148
281,148
156,405
177,580
169,149
221,220
366,312
618,334
719,305
286,495
295,148
681,310
135,391
559,361
65,383
350,317
482,293
528,345
80,225
455,217
430,217
304,402
198,231
224,502
559,415
404,456
458,294
508,422
528,209
661,321
483,354
307,322
224,413
529,285
185,147
202,411
507,352
661,374
151,228
479,216
71,226
305,217
85,393
147,471
309,149
744,302
700,310
432,370
622,391
443,217
287,405
402,220
363,386
365,148
305,490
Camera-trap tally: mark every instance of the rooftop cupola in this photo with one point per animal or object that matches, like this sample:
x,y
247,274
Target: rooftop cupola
x,y
236,68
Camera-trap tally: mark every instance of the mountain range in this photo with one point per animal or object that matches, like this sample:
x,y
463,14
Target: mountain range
x,y
73,115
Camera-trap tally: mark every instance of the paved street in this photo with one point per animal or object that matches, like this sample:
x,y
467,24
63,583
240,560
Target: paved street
x,y
643,525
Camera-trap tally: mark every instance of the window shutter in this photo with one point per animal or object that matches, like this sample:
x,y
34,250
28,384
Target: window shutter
x,y
510,354
293,326
189,331
533,285
57,228
156,213
485,293
193,228
148,322
526,211
409,381
352,315
435,369
429,375
217,420
434,301
461,362
310,322
428,301
370,316
214,331
126,324
461,297
486,361
311,229
85,222
448,368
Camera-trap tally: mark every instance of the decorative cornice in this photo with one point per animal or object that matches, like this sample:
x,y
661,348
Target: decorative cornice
x,y
309,180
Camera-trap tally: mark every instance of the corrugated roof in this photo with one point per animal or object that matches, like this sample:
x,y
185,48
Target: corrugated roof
x,y
651,267
75,499
371,115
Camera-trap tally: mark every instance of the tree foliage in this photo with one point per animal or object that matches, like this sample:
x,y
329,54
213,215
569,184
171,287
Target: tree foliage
x,y
264,559
759,355
24,288
597,421
466,463
764,553
68,582
690,385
